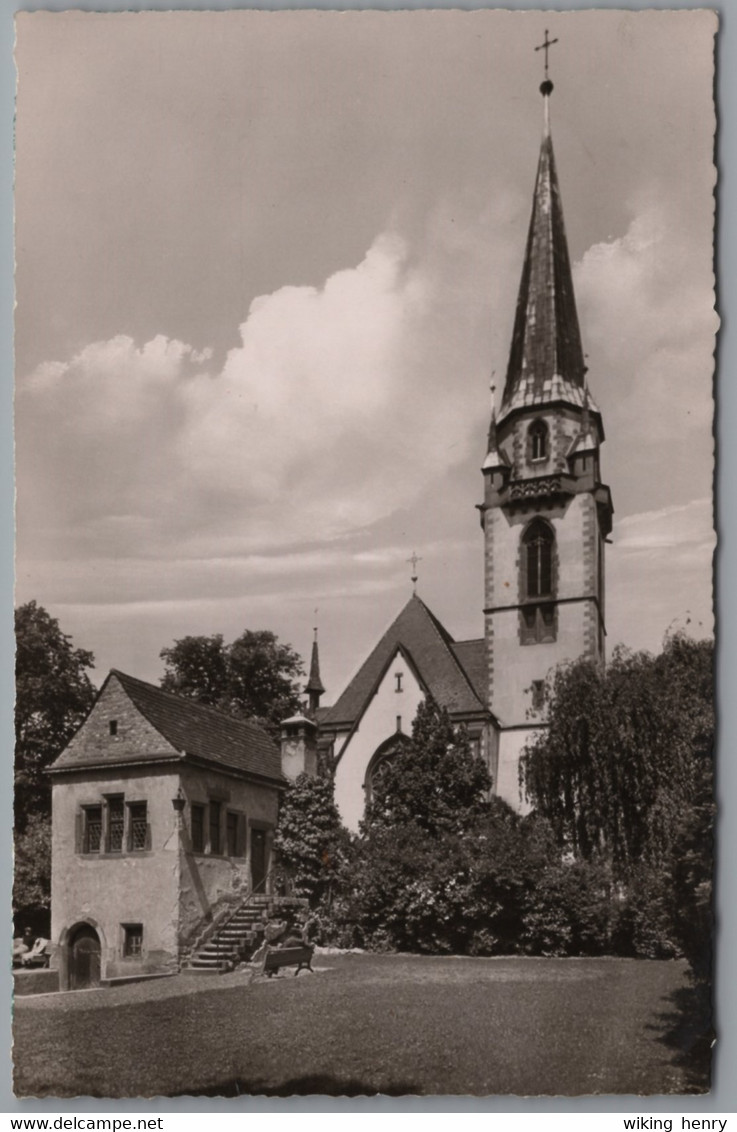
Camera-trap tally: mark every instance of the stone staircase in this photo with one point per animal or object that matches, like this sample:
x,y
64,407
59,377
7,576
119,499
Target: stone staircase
x,y
236,939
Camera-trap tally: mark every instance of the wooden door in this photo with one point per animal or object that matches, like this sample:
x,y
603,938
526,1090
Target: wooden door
x,y
84,959
258,860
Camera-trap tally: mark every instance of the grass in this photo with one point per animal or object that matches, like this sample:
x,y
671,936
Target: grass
x,y
367,1024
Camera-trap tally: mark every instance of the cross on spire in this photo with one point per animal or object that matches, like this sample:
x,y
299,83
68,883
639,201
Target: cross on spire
x,y
414,559
545,46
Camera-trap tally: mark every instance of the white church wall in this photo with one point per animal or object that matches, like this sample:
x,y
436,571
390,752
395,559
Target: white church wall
x,y
511,744
378,723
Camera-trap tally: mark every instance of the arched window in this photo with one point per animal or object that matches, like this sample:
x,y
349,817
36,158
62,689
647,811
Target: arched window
x,y
537,584
538,541
380,759
538,442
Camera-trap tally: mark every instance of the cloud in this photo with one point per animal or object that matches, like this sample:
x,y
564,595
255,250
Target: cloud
x,y
647,307
331,413
658,574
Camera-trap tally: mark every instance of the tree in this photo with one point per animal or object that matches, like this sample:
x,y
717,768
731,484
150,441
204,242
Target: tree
x,y
32,875
254,677
435,781
624,774
53,696
625,752
311,843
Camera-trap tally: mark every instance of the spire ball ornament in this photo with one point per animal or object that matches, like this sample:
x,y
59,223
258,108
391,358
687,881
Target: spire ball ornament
x,y
546,88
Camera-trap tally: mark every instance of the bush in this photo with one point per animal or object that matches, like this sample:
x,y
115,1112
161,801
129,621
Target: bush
x,y
570,910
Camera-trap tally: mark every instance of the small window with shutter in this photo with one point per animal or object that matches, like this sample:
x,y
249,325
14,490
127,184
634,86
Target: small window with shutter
x,y
231,823
215,843
132,941
197,820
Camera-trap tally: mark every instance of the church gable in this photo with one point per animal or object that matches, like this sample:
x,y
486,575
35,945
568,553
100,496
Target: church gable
x,y
387,716
431,649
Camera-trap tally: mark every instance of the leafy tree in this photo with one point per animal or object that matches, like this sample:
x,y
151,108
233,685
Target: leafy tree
x,y
624,774
311,843
625,752
434,781
53,695
32,875
254,677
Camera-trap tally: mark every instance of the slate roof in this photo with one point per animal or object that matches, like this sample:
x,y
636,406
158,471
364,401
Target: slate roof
x,y
546,361
191,729
432,652
471,655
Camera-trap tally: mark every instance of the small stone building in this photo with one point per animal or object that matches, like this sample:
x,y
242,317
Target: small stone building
x,y
163,812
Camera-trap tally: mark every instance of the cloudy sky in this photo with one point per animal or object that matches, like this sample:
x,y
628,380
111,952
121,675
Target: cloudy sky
x,y
267,263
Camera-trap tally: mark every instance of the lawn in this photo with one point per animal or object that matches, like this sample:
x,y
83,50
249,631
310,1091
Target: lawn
x,y
370,1024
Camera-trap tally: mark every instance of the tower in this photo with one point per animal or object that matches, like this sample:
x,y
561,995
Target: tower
x,y
546,515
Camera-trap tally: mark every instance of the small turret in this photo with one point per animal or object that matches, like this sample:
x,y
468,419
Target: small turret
x,y
314,686
298,747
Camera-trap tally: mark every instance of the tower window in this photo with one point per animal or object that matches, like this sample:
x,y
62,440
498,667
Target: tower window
x,y
538,440
537,584
113,727
398,677
538,555
399,723
538,695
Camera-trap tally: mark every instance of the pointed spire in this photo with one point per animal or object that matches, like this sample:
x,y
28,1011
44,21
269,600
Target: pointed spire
x,y
546,361
314,686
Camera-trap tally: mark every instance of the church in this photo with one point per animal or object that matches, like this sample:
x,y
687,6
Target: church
x,y
164,811
545,518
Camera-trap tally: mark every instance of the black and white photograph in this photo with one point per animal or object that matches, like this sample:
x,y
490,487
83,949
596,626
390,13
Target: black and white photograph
x,y
364,449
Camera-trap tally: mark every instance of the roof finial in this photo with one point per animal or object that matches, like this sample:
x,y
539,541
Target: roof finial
x,y
491,446
546,86
585,419
414,560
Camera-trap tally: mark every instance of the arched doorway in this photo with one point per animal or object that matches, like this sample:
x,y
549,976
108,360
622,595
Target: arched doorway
x,y
84,958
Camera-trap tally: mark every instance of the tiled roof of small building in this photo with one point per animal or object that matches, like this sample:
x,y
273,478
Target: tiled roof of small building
x,y
430,649
189,728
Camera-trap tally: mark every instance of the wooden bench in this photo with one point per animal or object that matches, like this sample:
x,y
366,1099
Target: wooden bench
x,y
278,957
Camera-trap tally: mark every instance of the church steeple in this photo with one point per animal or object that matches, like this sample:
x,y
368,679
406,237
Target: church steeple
x,y
546,361
314,686
546,514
